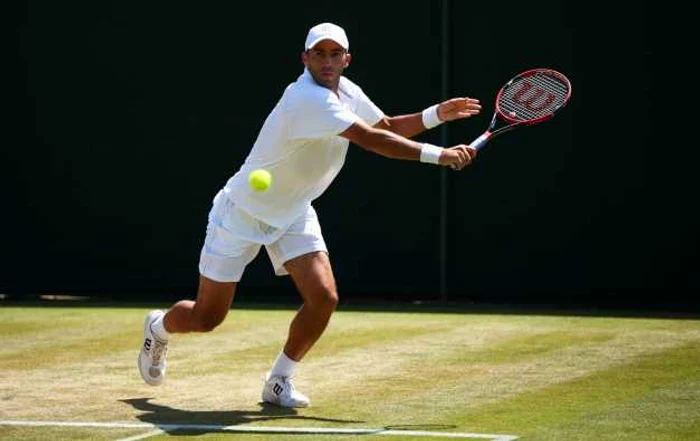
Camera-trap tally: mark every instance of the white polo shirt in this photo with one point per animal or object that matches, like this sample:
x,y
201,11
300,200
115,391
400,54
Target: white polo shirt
x,y
300,147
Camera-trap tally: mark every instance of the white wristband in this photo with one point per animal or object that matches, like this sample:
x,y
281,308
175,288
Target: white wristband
x,y
430,117
430,153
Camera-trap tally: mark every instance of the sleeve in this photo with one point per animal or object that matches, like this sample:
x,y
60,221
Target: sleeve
x,y
367,110
318,115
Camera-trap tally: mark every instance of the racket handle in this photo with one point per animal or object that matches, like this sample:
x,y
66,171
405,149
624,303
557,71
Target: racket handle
x,y
479,142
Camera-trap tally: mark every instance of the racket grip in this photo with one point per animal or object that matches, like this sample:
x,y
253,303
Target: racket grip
x,y
479,142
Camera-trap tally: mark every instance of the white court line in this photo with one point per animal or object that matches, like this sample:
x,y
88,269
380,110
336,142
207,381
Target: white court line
x,y
255,429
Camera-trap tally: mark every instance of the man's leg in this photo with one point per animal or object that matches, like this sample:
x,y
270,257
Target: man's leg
x,y
314,279
206,313
203,315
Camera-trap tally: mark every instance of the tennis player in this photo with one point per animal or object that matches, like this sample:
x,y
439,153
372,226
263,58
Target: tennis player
x,y
303,144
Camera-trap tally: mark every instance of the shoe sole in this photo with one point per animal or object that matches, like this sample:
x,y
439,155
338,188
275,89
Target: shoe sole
x,y
287,407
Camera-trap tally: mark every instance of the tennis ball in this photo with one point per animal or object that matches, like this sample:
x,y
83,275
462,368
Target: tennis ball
x,y
260,179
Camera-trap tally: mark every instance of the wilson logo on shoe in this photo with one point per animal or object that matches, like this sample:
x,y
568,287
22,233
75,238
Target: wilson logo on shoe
x,y
147,344
277,389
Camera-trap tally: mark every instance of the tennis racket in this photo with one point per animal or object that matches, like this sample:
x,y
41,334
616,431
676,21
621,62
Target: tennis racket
x,y
529,98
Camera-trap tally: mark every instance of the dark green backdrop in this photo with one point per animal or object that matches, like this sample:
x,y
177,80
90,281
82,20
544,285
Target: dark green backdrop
x,y
131,115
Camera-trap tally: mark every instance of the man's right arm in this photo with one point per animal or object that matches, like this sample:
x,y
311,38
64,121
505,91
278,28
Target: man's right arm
x,y
391,145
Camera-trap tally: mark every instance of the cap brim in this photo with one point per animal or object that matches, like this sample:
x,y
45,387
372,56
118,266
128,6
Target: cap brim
x,y
318,40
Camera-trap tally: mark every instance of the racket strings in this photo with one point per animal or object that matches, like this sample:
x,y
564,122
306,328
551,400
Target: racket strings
x,y
533,96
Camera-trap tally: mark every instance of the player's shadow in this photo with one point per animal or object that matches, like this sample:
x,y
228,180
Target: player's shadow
x,y
168,418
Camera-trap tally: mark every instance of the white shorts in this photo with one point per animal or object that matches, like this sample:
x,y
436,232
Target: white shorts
x,y
234,238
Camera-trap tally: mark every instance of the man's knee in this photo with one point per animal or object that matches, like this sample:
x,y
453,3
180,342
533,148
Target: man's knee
x,y
213,303
325,299
331,299
206,319
208,322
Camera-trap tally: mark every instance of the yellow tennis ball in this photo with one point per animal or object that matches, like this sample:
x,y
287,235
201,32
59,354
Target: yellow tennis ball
x,y
260,179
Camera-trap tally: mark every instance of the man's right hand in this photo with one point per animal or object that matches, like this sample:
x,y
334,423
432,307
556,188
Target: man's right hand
x,y
457,157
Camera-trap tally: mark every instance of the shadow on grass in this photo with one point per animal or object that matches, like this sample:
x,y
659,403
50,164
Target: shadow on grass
x,y
168,418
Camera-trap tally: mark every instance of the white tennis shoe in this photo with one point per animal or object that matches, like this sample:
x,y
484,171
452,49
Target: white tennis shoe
x,y
152,362
280,391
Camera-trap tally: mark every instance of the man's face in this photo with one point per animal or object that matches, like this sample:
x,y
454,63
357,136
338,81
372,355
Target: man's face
x,y
326,61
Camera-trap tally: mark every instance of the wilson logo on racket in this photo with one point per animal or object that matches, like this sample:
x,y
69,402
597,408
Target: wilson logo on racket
x,y
529,98
533,101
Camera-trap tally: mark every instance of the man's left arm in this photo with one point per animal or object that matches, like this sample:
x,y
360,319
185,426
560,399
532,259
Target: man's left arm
x,y
412,124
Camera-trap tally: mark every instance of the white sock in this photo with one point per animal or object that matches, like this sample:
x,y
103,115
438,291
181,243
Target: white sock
x,y
284,366
158,328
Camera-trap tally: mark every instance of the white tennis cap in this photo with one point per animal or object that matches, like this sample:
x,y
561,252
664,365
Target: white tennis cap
x,y
326,31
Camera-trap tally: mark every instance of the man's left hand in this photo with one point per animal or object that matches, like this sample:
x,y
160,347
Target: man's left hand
x,y
458,108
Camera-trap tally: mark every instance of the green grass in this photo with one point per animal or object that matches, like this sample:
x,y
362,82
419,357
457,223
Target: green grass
x,y
538,376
